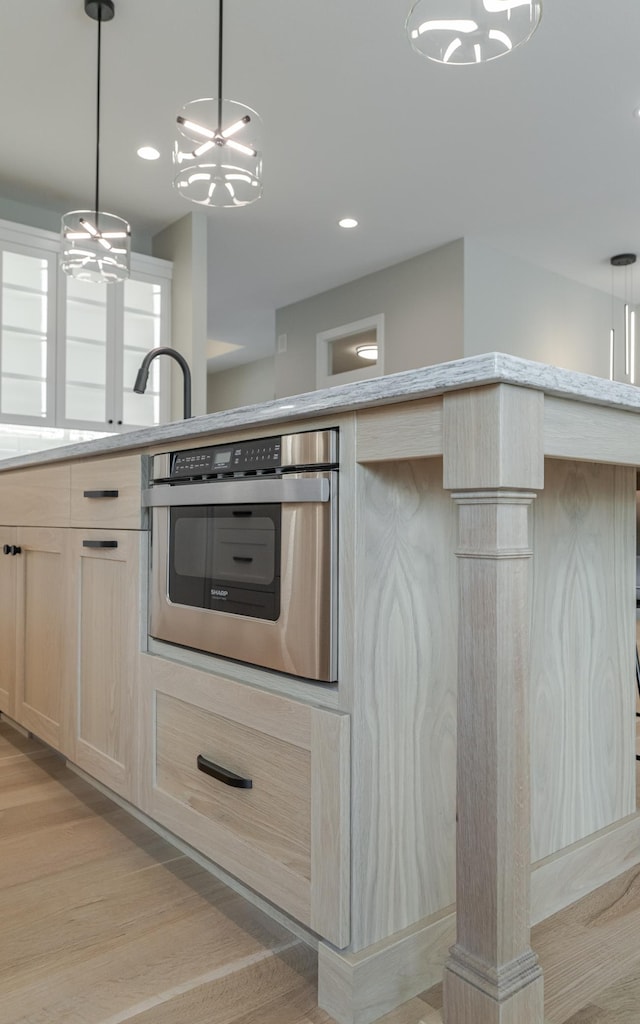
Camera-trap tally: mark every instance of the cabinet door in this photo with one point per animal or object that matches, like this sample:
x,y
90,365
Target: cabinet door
x,y
145,325
255,781
8,579
46,625
106,332
27,284
107,570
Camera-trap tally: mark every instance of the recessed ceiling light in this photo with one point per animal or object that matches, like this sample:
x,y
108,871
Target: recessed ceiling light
x,y
348,222
148,153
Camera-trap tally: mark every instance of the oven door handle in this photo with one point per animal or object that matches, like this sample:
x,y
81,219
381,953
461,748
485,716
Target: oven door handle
x,y
233,492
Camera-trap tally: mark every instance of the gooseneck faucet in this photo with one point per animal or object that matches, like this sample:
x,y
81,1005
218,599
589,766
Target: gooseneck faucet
x,y
143,374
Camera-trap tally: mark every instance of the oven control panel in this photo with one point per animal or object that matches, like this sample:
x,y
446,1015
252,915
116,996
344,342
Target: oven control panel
x,y
241,457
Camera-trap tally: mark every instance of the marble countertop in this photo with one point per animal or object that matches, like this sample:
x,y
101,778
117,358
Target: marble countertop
x,y
474,371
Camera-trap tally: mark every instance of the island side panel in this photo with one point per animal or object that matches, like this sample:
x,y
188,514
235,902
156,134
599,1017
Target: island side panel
x,y
582,652
403,699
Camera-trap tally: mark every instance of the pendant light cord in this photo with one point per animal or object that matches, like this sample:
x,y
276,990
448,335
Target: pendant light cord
x,y
220,66
98,116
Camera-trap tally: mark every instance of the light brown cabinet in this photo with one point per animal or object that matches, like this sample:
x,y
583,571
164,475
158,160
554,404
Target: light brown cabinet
x,y
38,496
257,782
106,493
106,567
45,635
8,585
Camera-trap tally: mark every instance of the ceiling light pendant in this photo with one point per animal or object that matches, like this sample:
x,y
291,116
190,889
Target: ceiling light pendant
x,y
471,31
96,246
217,153
626,260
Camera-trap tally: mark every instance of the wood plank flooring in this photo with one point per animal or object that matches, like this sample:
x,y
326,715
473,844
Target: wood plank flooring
x,y
104,922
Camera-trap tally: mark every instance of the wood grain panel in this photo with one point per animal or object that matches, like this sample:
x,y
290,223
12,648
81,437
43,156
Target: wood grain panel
x,y
403,699
412,430
46,635
120,473
108,583
574,430
330,825
582,653
36,497
297,757
485,443
274,815
8,584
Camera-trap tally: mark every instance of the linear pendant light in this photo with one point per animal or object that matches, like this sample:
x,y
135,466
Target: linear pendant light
x,y
471,31
96,246
217,152
626,260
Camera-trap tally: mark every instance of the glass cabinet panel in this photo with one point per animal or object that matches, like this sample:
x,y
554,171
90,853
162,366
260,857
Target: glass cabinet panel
x,y
24,340
86,352
142,331
70,350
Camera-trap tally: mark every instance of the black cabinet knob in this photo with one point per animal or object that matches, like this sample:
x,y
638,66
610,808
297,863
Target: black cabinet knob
x,y
15,550
6,549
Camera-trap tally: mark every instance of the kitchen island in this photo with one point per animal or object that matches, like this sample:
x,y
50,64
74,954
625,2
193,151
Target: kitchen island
x,y
478,749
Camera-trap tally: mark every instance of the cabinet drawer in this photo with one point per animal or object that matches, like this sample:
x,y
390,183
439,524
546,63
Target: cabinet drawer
x,y
285,832
35,497
107,492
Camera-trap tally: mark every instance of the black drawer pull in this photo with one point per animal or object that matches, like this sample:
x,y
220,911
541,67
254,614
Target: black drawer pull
x,y
242,512
101,494
99,543
216,771
242,558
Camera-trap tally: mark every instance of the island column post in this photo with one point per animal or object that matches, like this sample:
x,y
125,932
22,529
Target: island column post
x,y
493,462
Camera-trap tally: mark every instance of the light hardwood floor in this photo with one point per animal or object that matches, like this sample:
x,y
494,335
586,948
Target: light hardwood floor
x,y
103,922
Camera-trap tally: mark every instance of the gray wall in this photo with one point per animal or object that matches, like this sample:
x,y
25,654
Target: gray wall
x,y
422,301
464,298
515,307
241,385
185,243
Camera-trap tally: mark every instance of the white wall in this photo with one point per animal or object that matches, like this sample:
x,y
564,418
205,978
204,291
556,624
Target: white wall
x,y
515,307
185,243
422,301
248,384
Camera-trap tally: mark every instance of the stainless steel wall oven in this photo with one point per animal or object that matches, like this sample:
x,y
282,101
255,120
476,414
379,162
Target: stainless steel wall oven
x,y
244,551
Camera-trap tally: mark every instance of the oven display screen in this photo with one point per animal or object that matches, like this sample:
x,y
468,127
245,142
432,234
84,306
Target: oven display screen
x,y
221,457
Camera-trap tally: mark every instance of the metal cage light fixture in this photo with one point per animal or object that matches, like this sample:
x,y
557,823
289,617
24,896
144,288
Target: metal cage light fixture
x,y
217,153
96,246
471,31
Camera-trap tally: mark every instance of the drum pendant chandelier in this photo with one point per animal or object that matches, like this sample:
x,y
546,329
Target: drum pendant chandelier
x,y
217,152
96,246
471,31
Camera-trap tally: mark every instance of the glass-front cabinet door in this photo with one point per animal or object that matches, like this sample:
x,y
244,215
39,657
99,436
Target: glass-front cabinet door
x,y
144,323
27,332
86,353
70,350
105,332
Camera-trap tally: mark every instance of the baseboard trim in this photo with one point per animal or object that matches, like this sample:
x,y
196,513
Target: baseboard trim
x,y
358,988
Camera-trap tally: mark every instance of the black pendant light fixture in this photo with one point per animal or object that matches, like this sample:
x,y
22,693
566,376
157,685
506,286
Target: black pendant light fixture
x,y
96,246
217,153
625,260
471,31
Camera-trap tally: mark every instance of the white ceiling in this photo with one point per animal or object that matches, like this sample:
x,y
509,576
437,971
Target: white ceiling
x,y
537,153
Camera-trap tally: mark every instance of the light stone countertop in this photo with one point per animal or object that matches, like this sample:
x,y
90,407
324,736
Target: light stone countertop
x,y
474,371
